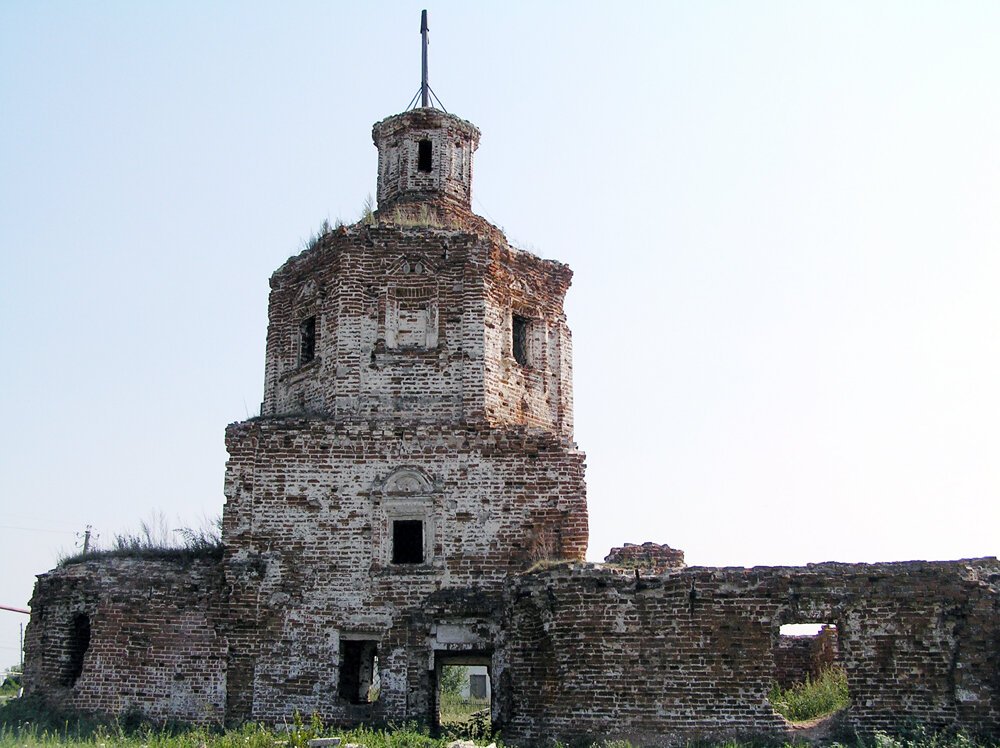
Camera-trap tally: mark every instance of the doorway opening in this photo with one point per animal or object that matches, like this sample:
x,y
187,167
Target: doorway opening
x,y
78,642
359,677
809,681
463,694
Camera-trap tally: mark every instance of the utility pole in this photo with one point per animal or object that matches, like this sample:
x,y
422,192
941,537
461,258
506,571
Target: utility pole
x,y
88,535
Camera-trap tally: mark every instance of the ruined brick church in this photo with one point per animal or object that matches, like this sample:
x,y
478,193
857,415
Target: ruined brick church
x,y
411,497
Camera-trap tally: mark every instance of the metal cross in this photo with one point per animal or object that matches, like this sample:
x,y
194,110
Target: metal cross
x,y
426,93
424,85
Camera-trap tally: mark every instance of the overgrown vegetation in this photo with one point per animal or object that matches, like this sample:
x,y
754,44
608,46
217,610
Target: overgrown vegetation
x,y
367,218
156,540
814,698
368,211
424,218
11,684
461,715
916,736
25,722
324,229
547,563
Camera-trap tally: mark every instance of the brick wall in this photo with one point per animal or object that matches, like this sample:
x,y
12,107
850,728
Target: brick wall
x,y
414,324
598,653
538,392
308,523
448,176
152,641
651,557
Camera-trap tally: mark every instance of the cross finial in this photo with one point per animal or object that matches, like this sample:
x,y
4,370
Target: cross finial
x,y
426,93
424,85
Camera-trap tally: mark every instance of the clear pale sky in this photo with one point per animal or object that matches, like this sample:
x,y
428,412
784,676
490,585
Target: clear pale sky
x,y
783,219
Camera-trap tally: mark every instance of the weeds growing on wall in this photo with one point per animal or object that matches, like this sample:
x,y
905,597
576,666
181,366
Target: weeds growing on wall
x,y
324,229
424,219
367,212
814,698
155,540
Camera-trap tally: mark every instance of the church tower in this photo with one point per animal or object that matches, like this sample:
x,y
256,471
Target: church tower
x,y
424,159
414,447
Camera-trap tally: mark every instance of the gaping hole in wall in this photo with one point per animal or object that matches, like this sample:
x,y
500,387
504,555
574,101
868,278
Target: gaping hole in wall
x,y
520,326
407,541
424,156
307,340
464,699
77,644
809,681
359,679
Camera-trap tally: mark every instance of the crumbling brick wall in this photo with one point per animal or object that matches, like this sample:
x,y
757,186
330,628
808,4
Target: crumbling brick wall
x,y
113,634
651,557
599,653
308,528
415,324
415,374
447,174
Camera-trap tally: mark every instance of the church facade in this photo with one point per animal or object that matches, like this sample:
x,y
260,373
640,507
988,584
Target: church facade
x,y
415,443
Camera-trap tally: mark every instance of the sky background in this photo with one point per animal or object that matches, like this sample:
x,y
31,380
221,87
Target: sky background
x,y
783,219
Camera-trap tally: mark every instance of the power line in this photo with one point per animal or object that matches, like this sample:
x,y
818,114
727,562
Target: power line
x,y
36,529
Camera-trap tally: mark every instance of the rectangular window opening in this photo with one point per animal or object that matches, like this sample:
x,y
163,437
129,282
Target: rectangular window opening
x,y
408,541
359,680
424,156
307,340
520,327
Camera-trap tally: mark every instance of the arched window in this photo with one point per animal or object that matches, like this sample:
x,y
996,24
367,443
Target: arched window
x,y
407,502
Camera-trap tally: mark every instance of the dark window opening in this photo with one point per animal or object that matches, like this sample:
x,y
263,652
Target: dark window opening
x,y
408,541
79,642
521,326
307,340
359,681
424,156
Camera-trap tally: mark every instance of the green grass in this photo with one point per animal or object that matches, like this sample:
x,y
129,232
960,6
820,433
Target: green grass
x,y
468,719
27,722
24,722
10,687
814,698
